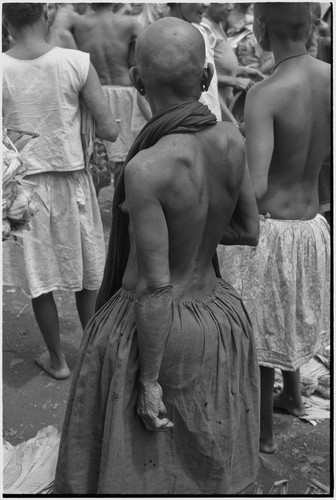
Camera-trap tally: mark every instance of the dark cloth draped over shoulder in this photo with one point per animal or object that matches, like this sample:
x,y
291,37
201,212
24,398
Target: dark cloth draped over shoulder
x,y
188,117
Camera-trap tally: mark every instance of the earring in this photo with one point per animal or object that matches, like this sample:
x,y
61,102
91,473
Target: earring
x,y
142,91
203,88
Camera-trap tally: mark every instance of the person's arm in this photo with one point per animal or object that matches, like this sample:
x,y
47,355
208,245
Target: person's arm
x,y
259,132
243,228
249,72
153,305
237,83
93,96
135,29
227,116
65,19
267,66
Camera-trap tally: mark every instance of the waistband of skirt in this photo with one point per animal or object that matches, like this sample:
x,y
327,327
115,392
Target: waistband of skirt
x,y
220,287
268,217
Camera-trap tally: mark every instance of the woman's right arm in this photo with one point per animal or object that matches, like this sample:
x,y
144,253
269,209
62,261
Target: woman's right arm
x,y
243,228
93,96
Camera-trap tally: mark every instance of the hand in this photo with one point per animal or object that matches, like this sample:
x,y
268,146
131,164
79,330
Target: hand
x,y
254,73
243,84
151,409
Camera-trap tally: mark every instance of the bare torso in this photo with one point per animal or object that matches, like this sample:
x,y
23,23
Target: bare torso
x,y
200,176
107,37
298,99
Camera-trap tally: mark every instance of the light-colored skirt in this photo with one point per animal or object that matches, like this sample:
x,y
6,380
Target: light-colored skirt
x,y
285,286
210,381
124,106
65,248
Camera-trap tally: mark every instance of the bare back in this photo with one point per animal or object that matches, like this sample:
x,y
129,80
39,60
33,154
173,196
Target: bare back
x,y
194,180
107,37
288,137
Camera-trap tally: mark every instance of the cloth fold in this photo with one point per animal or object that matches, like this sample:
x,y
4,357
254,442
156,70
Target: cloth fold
x,y
188,117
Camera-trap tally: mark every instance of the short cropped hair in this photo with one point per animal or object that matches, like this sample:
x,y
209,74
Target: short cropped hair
x,y
287,20
97,6
22,14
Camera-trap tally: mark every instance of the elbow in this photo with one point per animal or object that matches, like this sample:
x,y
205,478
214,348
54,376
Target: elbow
x,y
251,237
260,191
111,134
252,241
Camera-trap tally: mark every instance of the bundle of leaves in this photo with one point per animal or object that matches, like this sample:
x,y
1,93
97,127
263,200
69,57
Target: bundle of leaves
x,y
19,198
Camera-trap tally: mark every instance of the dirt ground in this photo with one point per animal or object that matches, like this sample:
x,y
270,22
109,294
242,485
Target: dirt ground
x,y
32,400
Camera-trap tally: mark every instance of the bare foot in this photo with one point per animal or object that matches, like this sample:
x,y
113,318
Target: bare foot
x,y
268,446
282,402
59,372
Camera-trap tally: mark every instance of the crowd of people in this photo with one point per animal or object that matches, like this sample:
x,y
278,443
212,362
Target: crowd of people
x,y
215,119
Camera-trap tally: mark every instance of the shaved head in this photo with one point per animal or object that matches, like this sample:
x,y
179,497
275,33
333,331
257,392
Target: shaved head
x,y
171,53
285,20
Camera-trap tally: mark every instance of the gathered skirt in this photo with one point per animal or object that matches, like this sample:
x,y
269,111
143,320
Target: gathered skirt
x,y
210,381
65,248
285,286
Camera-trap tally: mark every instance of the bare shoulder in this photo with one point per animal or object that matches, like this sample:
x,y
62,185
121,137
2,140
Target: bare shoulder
x,y
145,171
127,23
230,140
263,90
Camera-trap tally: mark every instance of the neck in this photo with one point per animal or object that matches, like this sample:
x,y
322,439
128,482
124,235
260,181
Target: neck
x,y
30,36
212,19
158,104
283,50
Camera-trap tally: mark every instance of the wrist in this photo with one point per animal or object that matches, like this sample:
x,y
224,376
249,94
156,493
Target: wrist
x,y
148,382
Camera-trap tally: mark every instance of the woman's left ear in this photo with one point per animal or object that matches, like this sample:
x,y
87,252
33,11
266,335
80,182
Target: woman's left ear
x,y
136,80
207,77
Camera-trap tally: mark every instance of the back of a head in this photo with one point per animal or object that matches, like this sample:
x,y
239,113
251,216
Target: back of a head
x,y
21,15
100,6
286,21
171,53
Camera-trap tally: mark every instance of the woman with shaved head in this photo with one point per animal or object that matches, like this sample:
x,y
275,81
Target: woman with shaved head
x,y
165,396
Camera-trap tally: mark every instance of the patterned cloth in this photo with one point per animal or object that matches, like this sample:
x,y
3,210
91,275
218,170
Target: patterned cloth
x,y
210,381
65,248
124,106
285,286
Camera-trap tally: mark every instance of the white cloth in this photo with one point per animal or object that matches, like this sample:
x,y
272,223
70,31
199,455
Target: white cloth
x,y
210,98
49,84
123,103
64,250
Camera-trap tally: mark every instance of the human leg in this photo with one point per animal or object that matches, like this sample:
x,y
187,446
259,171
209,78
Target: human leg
x,y
290,398
53,362
85,302
267,440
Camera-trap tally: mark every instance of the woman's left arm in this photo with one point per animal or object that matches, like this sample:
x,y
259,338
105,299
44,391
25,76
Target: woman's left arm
x,y
153,306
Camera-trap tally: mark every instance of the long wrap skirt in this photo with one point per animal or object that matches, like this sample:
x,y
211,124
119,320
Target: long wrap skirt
x,y
210,381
